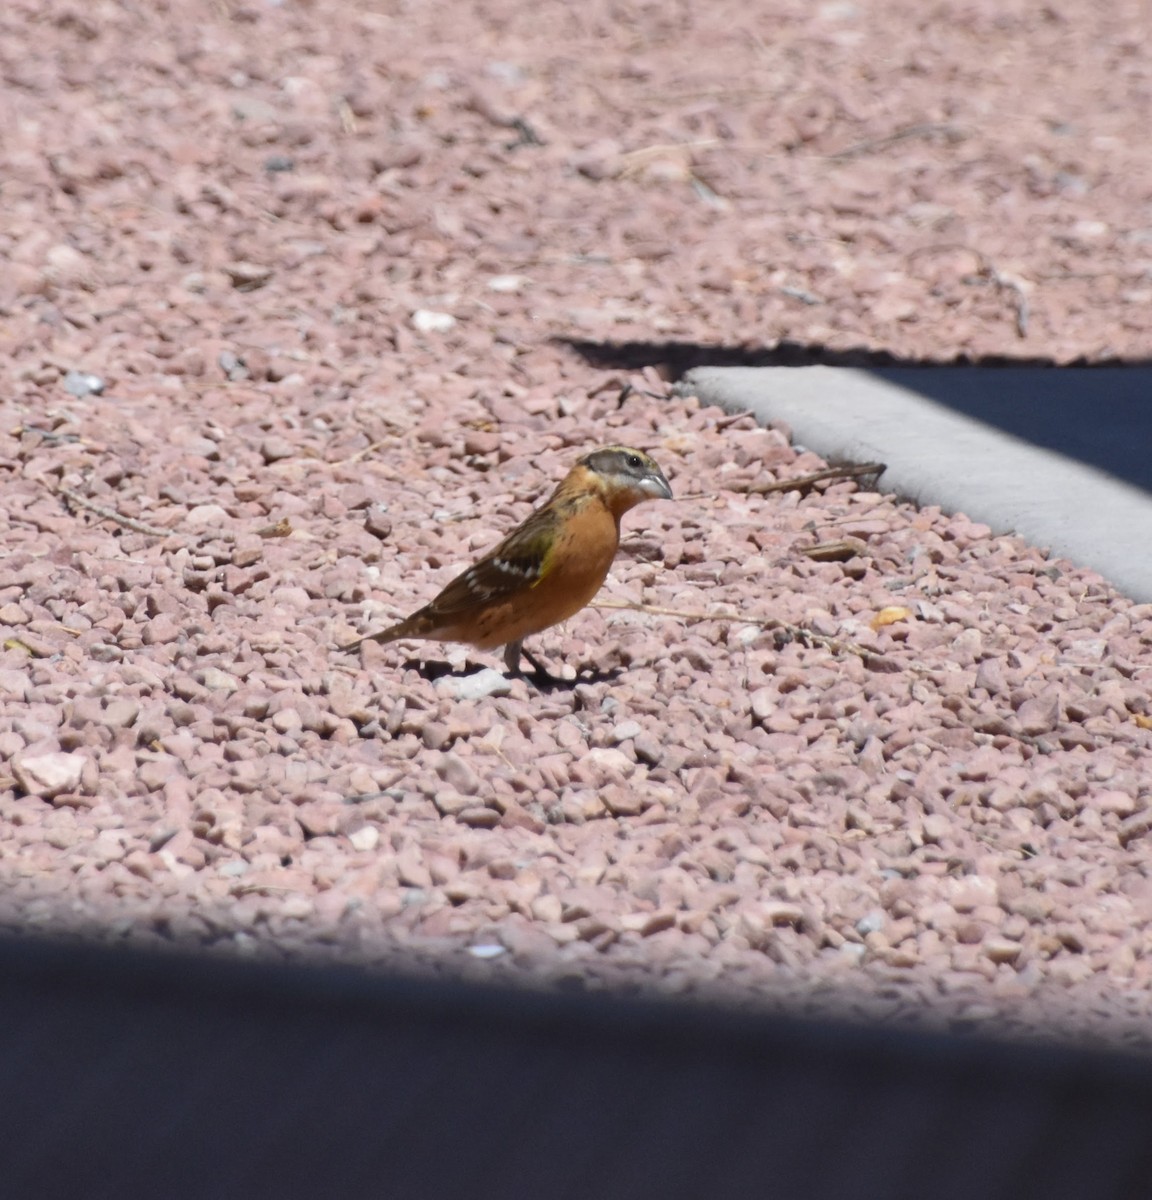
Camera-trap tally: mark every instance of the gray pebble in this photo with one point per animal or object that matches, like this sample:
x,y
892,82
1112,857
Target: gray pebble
x,y
82,383
871,922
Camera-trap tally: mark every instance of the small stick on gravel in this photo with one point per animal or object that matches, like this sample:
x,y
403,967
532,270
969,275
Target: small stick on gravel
x,y
247,889
628,390
987,269
365,797
348,122
1009,284
634,160
526,134
806,482
924,129
735,418
353,458
280,529
801,295
110,514
793,632
802,483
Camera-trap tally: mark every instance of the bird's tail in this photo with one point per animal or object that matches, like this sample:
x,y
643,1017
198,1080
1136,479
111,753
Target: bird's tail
x,y
414,626
391,634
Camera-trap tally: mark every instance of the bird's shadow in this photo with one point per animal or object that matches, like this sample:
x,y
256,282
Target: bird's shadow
x,y
543,681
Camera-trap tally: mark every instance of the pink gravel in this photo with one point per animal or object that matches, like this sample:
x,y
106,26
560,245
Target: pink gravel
x,y
318,256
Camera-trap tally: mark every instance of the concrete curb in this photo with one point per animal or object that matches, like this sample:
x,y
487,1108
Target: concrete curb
x,y
936,456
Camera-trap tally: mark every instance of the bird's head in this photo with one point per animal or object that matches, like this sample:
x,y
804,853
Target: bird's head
x,y
627,476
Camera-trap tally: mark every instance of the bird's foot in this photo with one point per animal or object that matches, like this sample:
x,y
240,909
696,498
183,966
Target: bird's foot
x,y
541,676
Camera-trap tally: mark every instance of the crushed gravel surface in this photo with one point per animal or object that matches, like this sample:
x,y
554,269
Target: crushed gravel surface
x,y
304,305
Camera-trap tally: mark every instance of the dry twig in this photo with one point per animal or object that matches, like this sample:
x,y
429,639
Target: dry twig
x,y
634,160
1009,283
805,482
923,129
110,514
987,269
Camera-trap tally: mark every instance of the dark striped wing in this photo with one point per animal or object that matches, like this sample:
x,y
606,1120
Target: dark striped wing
x,y
516,565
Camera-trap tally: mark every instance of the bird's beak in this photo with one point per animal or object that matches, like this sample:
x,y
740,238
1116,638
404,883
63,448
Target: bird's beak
x,y
656,486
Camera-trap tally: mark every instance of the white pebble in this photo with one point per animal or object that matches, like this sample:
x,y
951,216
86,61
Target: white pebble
x,y
506,283
426,321
365,838
487,950
487,682
48,774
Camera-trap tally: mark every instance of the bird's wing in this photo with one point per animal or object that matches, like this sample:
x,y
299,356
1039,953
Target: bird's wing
x,y
516,565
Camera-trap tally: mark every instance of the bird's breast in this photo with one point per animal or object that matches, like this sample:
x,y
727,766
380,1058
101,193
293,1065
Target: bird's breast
x,y
580,558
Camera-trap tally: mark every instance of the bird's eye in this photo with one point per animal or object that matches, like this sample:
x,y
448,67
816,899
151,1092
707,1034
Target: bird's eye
x,y
634,461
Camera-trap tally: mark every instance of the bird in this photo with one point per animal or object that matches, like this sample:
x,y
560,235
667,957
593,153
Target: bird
x,y
545,570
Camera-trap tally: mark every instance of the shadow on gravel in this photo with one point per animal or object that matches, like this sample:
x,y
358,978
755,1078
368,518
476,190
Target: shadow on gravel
x,y
556,683
677,358
544,682
141,1075
1098,413
433,669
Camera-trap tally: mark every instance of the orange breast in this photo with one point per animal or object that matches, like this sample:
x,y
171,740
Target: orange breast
x,y
579,562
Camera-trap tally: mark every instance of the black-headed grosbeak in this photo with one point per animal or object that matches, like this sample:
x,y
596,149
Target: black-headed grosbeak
x,y
547,569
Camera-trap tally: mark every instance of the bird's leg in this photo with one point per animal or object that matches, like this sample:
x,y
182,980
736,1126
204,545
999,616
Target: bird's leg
x,y
512,653
537,665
